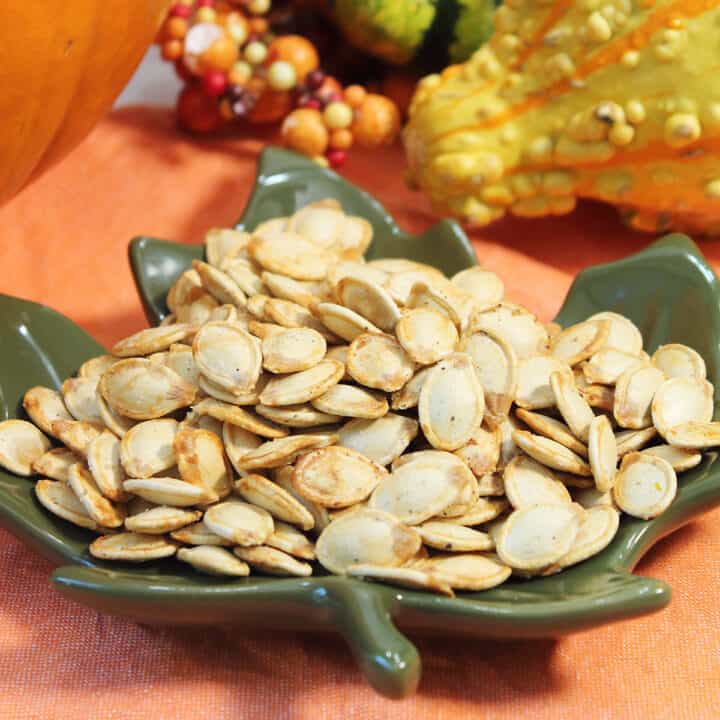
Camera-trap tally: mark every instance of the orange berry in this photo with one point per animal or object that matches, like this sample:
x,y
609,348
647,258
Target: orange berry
x,y
176,28
296,50
172,50
354,95
220,55
258,25
304,130
271,106
377,121
341,139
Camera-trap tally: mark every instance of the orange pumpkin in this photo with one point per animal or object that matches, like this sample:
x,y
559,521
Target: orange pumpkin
x,y
61,69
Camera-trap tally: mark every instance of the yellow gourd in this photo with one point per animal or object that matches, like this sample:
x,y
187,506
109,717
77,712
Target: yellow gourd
x,y
617,100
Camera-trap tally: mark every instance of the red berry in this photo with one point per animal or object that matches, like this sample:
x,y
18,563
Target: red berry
x,y
214,82
197,112
205,3
183,11
309,103
336,158
183,72
315,79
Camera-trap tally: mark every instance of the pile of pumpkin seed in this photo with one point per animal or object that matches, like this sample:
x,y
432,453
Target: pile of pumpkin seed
x,y
300,404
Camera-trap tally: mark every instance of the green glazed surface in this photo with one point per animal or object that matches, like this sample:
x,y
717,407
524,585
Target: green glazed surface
x,y
668,290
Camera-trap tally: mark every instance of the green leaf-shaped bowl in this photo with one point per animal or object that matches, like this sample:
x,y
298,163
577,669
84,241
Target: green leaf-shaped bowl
x,y
668,290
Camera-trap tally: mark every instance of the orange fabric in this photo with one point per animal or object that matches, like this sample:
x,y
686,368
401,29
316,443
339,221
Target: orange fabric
x,y
63,243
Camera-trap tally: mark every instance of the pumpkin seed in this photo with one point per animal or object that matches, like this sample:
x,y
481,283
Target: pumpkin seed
x,y
599,396
55,464
379,361
645,485
132,547
147,448
623,334
491,484
534,390
400,284
21,444
221,243
300,387
99,508
79,398
409,577
602,451
608,364
283,477
74,434
432,296
592,497
366,537
201,461
694,434
243,273
320,224
345,323
482,452
256,306
291,315
219,284
233,415
351,401
273,562
94,368
161,519
381,440
485,287
409,395
551,453
552,428
420,489
276,453
369,300
167,491
44,406
680,400
293,350
150,340
336,477
228,356
266,494
115,422
482,511
359,270
634,393
680,459
60,500
249,397
677,360
426,335
180,359
529,483
288,253
296,416
213,561
201,422
355,238
104,461
286,288
468,571
632,440
572,406
496,366
141,390
241,522
517,326
291,541
449,536
597,529
199,534
184,291
451,403
264,330
581,341
537,536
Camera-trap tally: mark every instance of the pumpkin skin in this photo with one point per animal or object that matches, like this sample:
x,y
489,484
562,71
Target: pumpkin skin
x,y
566,102
61,69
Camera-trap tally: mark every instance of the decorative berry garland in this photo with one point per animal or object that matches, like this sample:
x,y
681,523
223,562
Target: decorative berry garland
x,y
234,68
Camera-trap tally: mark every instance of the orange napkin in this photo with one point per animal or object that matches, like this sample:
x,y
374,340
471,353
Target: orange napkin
x,y
64,243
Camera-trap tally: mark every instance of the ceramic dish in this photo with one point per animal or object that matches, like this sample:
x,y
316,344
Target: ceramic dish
x,y
668,290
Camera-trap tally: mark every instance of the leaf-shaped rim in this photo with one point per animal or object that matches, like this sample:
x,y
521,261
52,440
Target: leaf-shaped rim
x,y
43,347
